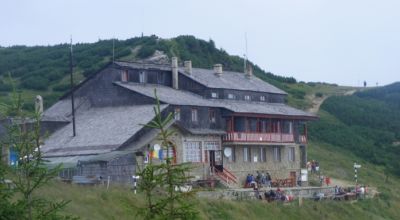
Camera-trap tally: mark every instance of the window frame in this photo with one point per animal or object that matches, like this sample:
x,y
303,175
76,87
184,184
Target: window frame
x,y
262,98
247,97
292,154
214,95
195,115
231,96
142,77
277,154
124,76
177,114
247,155
212,116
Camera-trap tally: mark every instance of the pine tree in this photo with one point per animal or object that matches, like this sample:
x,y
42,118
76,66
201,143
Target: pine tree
x,y
161,183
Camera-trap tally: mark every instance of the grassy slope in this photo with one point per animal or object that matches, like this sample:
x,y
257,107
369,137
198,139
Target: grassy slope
x,y
121,203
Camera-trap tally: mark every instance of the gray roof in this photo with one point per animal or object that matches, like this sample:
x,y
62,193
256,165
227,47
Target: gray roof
x,y
139,65
99,130
228,80
179,97
231,80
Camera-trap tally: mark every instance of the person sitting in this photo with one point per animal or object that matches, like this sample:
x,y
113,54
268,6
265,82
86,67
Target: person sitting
x,y
268,180
248,181
253,182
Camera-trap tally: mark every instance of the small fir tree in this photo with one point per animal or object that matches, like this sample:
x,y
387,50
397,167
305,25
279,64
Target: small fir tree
x,y
161,183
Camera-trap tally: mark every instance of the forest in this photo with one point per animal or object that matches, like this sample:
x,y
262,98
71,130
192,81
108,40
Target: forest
x,y
366,123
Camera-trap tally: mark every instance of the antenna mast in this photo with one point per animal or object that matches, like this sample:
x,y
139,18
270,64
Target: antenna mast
x,y
113,52
71,68
245,55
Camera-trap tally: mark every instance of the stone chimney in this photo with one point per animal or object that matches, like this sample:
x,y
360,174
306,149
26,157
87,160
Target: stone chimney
x,y
39,104
218,69
249,71
188,67
174,66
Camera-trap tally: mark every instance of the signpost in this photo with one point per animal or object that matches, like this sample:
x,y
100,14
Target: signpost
x,y
356,166
135,178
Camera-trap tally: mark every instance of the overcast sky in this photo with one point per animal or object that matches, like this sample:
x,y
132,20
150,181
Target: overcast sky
x,y
336,41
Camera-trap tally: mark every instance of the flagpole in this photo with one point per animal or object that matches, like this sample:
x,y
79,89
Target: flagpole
x,y
72,91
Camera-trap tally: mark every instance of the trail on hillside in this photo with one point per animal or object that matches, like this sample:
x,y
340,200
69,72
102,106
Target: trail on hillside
x,y
317,101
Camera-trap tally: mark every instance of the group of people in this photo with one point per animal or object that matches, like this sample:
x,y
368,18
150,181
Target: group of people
x,y
278,195
313,166
260,180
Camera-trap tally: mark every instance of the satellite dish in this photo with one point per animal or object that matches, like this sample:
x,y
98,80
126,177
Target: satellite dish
x,y
156,147
228,152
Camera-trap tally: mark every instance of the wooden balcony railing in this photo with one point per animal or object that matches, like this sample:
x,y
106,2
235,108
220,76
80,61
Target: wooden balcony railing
x,y
261,137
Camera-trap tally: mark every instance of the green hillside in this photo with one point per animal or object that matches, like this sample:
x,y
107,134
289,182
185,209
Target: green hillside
x,y
366,123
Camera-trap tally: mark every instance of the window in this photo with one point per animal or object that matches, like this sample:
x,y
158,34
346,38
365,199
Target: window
x,y
160,78
214,95
291,154
247,98
211,115
192,151
262,98
231,157
263,154
246,154
252,123
277,154
124,76
194,115
177,114
287,127
212,145
142,77
231,96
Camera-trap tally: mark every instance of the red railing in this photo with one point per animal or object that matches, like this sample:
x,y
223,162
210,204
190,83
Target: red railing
x,y
258,137
303,139
226,175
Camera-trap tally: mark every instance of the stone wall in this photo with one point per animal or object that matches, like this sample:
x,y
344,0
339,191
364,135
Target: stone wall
x,y
277,169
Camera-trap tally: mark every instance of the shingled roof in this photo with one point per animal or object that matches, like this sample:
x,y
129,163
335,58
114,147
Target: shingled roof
x,y
231,80
228,80
169,95
99,130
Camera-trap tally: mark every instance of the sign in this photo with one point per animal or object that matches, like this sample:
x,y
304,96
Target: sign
x,y
357,166
304,175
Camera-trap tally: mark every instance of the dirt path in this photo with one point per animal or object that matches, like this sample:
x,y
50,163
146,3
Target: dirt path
x,y
317,101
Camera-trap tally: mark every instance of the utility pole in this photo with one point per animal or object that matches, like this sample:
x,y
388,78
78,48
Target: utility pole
x,y
71,68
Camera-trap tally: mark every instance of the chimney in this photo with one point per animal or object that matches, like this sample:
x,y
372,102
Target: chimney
x,y
39,104
249,71
218,69
174,66
188,67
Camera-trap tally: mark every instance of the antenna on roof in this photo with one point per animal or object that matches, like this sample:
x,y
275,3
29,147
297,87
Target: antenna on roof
x,y
245,55
71,68
113,51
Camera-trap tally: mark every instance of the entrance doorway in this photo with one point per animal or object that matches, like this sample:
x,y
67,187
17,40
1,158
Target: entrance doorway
x,y
216,160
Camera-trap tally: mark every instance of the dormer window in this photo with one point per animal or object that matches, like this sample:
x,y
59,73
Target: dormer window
x,y
262,98
124,76
247,98
214,95
231,96
142,77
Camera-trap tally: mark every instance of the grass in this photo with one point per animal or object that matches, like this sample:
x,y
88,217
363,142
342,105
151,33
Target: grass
x,y
120,203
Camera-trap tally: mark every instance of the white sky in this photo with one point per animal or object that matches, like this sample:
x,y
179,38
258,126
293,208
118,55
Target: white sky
x,y
336,41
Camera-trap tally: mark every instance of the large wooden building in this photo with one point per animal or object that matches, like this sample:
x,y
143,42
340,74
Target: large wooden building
x,y
228,124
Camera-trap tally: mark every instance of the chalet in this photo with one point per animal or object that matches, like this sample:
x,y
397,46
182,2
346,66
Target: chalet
x,y
228,124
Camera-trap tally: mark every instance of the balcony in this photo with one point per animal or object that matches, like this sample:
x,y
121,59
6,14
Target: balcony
x,y
253,137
